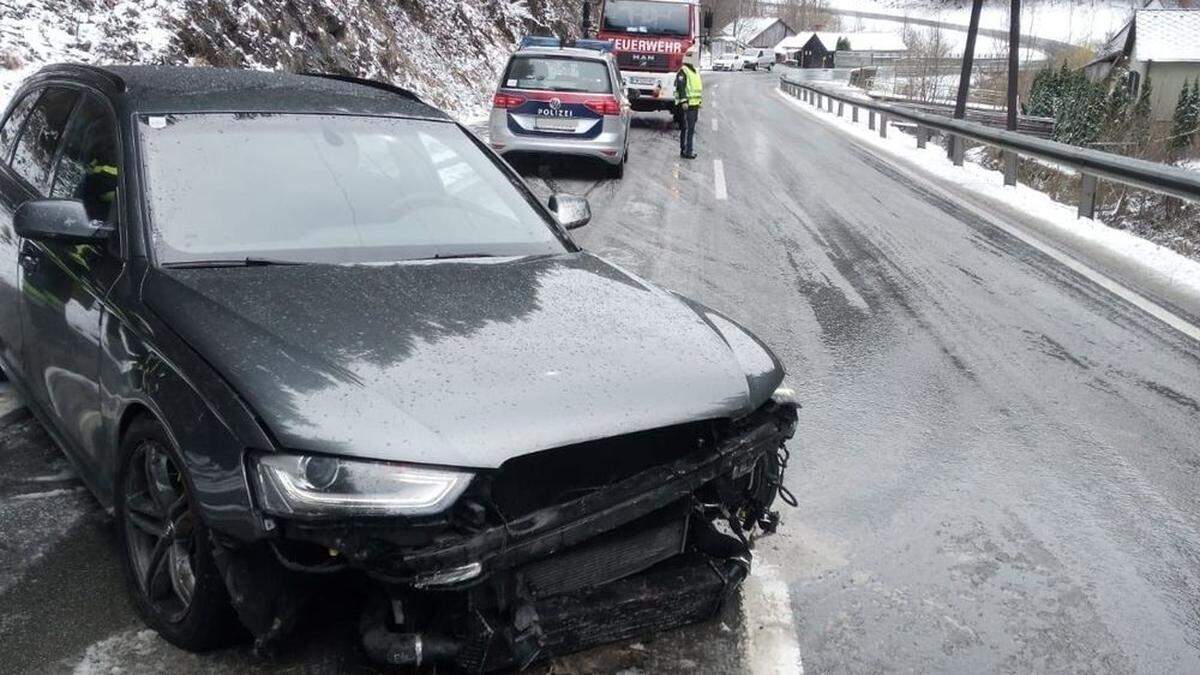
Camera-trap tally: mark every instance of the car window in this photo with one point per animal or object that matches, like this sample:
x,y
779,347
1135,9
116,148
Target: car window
x,y
87,169
555,73
38,144
342,188
12,125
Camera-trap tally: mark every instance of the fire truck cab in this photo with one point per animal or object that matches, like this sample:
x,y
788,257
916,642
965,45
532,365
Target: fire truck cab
x,y
651,38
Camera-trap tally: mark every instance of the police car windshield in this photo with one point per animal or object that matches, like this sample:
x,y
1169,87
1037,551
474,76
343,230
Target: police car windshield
x,y
557,73
329,188
646,17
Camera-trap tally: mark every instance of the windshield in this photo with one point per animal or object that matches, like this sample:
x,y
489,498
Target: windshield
x,y
329,188
556,73
644,16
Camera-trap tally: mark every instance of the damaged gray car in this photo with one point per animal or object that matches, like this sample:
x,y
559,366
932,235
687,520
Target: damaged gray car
x,y
297,327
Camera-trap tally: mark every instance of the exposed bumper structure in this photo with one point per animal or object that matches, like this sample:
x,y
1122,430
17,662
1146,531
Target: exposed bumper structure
x,y
638,555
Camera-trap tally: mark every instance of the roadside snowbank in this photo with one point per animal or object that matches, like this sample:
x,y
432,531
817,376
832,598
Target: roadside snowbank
x,y
1161,265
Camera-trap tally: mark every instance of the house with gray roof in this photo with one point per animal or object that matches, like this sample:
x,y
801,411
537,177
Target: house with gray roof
x,y
1162,44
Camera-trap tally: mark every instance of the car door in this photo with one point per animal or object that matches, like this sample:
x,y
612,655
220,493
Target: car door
x,y
64,285
12,193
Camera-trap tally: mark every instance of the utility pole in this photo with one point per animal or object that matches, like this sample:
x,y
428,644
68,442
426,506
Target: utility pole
x,y
964,80
1014,71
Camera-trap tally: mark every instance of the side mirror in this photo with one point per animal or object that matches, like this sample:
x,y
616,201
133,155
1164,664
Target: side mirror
x,y
572,211
59,220
708,20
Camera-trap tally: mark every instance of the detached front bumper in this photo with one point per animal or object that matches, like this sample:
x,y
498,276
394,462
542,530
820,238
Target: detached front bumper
x,y
636,556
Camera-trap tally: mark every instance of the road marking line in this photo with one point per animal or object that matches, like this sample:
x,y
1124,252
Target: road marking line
x,y
771,647
719,180
714,124
1099,278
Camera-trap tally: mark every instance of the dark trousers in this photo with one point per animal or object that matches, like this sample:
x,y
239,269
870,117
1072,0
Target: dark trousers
x,y
687,129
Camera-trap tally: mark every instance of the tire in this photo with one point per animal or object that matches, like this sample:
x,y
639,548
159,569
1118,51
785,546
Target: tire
x,y
166,553
617,170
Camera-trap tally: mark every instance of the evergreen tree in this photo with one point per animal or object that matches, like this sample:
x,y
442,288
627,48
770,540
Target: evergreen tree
x,y
1042,93
1183,122
843,44
1118,118
1142,120
1080,110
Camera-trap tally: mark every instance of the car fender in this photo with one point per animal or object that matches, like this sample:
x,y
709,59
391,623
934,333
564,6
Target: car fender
x,y
145,366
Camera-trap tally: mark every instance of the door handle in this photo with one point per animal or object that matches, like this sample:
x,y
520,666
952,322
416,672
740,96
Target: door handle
x,y
29,260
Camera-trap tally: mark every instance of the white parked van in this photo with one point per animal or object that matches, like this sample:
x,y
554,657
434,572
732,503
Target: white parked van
x,y
758,58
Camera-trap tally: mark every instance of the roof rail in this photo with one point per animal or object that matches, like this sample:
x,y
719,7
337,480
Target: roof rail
x,y
374,84
111,77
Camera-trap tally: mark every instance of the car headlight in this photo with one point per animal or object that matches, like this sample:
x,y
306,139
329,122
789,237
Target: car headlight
x,y
784,393
317,486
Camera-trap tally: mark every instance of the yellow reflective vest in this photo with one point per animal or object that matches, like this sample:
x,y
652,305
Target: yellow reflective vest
x,y
693,88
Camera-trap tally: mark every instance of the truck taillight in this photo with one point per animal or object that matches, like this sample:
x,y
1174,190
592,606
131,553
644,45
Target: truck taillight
x,y
604,106
506,101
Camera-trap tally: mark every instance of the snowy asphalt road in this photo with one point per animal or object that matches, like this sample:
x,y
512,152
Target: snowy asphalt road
x,y
998,460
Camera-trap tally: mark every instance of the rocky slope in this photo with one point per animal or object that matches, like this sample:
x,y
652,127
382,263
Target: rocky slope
x,y
448,51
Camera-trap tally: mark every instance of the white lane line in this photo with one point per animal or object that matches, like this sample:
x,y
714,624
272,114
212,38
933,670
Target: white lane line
x,y
770,629
714,124
1099,278
719,180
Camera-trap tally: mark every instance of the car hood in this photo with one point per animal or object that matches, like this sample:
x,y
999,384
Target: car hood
x,y
463,363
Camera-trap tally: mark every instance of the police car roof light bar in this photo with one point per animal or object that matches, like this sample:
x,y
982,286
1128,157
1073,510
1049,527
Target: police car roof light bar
x,y
539,41
598,45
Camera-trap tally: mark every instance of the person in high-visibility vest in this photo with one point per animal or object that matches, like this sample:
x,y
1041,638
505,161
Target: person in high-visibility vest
x,y
98,189
688,98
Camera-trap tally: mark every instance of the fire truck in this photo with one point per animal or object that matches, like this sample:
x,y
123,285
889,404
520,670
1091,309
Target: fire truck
x,y
651,38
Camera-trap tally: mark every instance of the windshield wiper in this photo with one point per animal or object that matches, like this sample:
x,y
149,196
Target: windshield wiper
x,y
232,262
453,256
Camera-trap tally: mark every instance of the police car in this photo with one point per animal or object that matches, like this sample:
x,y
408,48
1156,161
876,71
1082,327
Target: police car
x,y
563,100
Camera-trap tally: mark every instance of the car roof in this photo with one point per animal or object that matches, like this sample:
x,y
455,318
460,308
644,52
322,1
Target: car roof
x,y
183,89
572,52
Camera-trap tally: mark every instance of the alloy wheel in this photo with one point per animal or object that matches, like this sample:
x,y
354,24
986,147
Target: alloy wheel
x,y
159,531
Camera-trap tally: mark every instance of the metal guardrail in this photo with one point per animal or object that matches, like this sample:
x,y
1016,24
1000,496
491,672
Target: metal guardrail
x,y
1042,127
1091,164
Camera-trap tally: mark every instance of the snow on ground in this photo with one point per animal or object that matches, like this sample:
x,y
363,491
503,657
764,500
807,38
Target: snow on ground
x,y
1174,269
1074,21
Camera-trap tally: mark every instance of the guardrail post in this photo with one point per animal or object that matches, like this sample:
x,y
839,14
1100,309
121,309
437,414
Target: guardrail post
x,y
854,114
883,124
1010,167
1087,197
805,97
840,108
871,120
830,104
922,136
957,149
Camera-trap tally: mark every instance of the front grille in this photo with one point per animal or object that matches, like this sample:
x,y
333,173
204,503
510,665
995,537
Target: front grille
x,y
639,61
618,554
537,480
